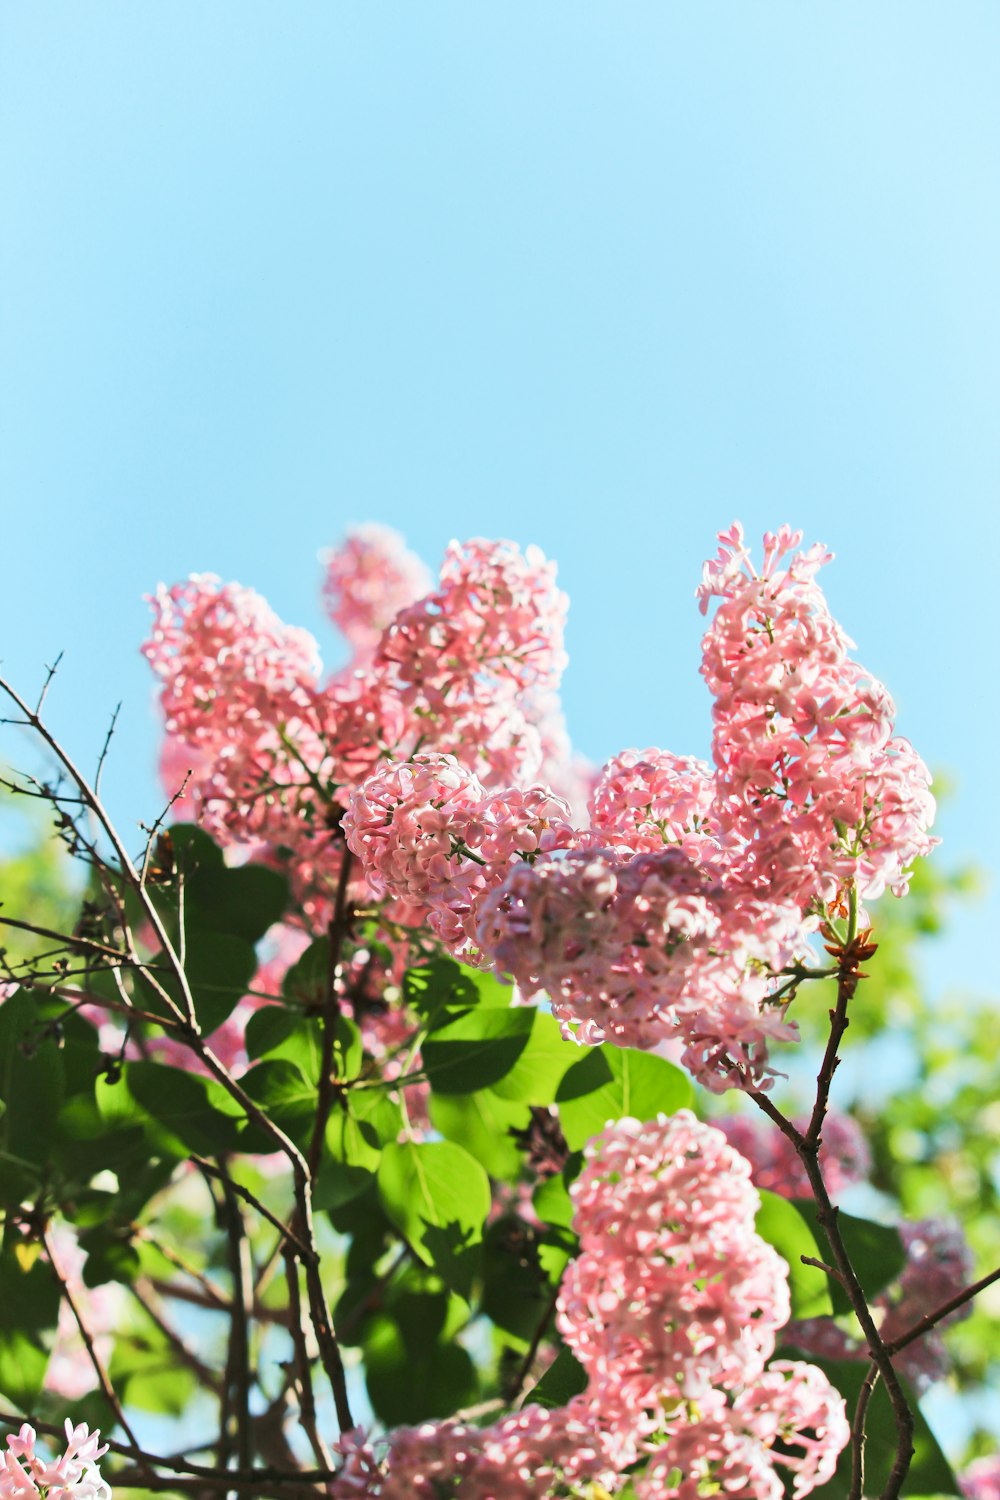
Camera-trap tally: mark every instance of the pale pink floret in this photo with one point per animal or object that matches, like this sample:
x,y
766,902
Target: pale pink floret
x,y
731,1450
673,1291
225,659
25,1475
367,580
844,1154
809,775
981,1480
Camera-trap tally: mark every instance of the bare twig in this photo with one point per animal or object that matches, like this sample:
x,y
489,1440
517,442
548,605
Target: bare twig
x,y
927,1322
858,1434
105,748
303,1363
237,1377
107,1390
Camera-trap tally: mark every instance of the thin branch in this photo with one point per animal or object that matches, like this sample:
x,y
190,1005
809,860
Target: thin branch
x,y
213,1297
50,672
303,1363
858,1434
107,1390
256,1479
336,933
145,1294
524,1370
104,749
191,1033
926,1323
254,1202
237,1378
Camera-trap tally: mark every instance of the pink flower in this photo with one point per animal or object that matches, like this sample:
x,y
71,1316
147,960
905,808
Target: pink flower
x,y
368,579
981,1480
673,1291
426,831
531,1454
809,775
643,799
844,1154
25,1475
647,950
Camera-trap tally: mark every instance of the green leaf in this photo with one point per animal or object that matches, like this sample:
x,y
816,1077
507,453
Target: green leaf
x,y
414,1381
438,1197
274,1032
242,902
481,1123
285,1097
188,1112
930,1474
516,1294
29,1308
220,969
552,1203
611,1083
475,1049
564,1379
781,1225
32,1084
875,1250
305,983
110,1255
430,987
538,1072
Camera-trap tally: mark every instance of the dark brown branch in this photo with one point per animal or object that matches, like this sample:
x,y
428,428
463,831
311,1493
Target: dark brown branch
x,y
927,1322
107,1390
303,1363
302,1250
524,1369
336,933
858,1434
849,953
237,1377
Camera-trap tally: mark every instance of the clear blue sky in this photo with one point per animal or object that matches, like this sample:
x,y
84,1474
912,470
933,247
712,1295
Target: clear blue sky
x,y
598,276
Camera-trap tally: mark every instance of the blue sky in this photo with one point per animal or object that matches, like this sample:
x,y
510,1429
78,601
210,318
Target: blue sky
x,y
600,277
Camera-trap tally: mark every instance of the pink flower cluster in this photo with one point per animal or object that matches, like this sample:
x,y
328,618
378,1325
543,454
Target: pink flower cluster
x,y
671,917
428,832
647,949
469,669
808,773
25,1475
530,1455
939,1264
368,579
672,1306
981,1480
844,1154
